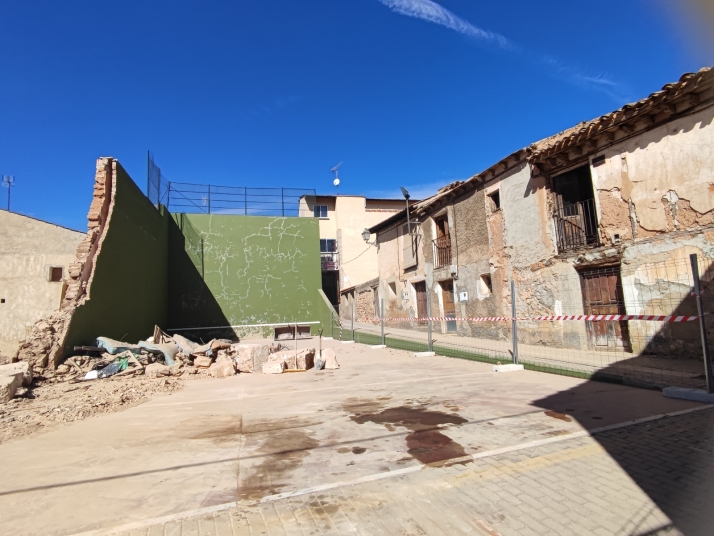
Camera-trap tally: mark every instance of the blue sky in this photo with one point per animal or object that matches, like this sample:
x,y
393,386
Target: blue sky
x,y
275,92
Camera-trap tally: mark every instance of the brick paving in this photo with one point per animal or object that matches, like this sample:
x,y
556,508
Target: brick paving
x,y
650,478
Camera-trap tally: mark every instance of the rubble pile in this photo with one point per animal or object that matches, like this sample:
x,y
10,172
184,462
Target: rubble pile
x,y
113,375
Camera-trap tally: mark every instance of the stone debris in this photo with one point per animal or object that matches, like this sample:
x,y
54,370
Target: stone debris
x,y
222,369
330,359
275,365
303,359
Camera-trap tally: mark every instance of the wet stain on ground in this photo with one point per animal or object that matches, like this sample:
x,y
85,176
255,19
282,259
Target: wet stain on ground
x,y
358,450
285,451
343,450
559,416
426,443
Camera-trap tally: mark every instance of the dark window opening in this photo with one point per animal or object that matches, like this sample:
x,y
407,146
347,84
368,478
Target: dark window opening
x,y
328,245
2,300
56,273
575,213
320,211
495,198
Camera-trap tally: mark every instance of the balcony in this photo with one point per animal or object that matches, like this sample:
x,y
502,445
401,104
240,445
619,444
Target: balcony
x,y
329,262
442,251
576,225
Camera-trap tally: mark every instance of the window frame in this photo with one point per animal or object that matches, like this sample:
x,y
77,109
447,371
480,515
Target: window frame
x,y
317,211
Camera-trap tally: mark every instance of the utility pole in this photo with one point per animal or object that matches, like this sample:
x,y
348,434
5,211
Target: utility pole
x,y
8,181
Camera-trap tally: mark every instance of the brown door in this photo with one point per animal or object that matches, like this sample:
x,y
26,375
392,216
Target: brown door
x,y
602,295
420,289
447,294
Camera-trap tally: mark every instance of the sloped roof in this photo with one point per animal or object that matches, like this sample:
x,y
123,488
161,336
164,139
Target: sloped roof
x,y
539,153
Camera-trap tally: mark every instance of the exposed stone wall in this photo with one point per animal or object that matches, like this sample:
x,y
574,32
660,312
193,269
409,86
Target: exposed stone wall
x,y
44,345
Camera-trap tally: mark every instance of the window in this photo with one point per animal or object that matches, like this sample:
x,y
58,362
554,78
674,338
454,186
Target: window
x,y
575,212
393,288
320,211
56,273
328,245
495,198
486,285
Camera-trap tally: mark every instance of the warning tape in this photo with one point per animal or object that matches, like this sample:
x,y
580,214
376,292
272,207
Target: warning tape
x,y
594,318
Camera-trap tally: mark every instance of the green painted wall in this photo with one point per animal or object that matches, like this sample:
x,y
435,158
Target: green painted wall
x,y
128,293
235,270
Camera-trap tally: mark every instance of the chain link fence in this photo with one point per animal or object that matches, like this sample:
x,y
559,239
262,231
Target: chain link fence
x,y
635,323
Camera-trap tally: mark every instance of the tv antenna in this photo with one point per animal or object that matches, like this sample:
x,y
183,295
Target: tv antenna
x,y
8,181
335,170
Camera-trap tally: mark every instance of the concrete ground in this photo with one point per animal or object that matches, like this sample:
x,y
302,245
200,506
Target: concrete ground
x,y
388,444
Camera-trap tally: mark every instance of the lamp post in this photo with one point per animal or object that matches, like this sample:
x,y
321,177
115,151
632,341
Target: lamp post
x,y
406,197
8,181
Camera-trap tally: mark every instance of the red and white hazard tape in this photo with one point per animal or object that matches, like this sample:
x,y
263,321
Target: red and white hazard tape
x,y
594,318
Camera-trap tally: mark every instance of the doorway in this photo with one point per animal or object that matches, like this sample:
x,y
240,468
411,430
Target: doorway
x,y
420,289
602,295
447,294
329,287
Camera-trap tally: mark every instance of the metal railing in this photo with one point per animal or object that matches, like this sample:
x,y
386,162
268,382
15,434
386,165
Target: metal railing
x,y
442,251
187,198
576,225
329,262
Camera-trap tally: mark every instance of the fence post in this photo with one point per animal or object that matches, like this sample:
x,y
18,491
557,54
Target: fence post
x,y
282,198
353,320
702,326
168,197
381,314
514,327
245,200
428,314
209,198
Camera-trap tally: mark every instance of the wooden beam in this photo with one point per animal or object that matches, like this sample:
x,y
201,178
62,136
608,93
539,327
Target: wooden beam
x,y
669,109
577,151
591,143
692,99
627,127
609,135
561,159
648,119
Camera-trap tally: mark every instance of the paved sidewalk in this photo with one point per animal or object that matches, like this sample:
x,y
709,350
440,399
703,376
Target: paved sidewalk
x,y
650,478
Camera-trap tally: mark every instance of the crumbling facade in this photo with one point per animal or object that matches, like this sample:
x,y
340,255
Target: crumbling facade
x,y
599,208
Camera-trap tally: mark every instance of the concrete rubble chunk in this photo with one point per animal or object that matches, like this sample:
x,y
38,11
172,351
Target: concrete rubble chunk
x,y
156,370
328,355
250,357
273,366
222,369
21,366
304,359
9,385
202,361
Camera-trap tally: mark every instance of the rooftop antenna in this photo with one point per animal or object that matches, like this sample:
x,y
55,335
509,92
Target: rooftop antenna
x,y
8,181
335,170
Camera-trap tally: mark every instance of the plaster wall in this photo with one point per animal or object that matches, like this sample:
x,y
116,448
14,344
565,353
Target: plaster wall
x,y
528,229
667,176
28,248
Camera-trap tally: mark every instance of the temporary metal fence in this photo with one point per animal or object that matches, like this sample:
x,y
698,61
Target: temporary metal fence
x,y
647,324
188,198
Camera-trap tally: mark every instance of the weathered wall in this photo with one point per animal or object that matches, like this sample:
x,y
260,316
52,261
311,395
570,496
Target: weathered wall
x,y
127,291
28,248
666,174
237,270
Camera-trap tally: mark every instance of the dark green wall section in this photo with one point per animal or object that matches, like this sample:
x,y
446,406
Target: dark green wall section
x,y
237,270
128,292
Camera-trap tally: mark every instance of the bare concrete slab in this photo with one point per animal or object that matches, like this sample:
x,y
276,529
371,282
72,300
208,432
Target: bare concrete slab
x,y
248,437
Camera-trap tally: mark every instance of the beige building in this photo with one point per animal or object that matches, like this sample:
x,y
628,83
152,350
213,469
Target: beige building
x,y
347,261
34,259
598,219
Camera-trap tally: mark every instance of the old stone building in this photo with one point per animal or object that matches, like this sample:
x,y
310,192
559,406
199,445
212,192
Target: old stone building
x,y
610,207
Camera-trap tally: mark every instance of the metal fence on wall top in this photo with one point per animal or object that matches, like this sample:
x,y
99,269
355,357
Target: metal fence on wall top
x,y
188,198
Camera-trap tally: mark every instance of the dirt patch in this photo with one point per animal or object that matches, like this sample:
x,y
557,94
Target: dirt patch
x,y
426,443
559,416
358,450
50,403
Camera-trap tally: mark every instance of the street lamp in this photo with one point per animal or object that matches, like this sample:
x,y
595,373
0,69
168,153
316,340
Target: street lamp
x,y
8,181
406,196
365,236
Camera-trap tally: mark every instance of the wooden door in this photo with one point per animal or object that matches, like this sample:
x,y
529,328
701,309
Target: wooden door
x,y
447,294
602,295
420,289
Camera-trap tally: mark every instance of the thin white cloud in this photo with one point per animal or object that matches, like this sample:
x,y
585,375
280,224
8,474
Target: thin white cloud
x,y
430,11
